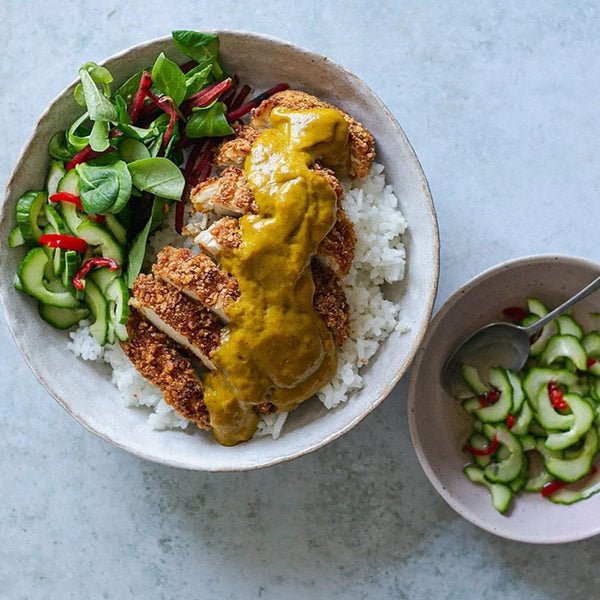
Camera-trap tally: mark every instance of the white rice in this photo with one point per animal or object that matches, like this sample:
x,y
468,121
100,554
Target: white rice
x,y
379,258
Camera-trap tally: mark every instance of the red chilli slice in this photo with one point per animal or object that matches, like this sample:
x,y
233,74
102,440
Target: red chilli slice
x,y
88,265
63,241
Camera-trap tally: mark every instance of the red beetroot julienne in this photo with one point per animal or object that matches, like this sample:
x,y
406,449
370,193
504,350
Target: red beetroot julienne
x,y
244,109
136,105
205,96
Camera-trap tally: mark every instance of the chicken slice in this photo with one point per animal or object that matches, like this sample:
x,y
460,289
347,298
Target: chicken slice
x,y
336,250
227,194
197,276
233,151
175,314
220,237
158,358
362,145
330,301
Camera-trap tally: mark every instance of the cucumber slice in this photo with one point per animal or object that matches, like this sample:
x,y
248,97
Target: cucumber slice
x,y
72,264
499,410
96,302
31,275
95,235
567,325
473,378
116,228
501,494
538,476
536,307
539,377
547,416
506,469
561,347
55,221
29,211
69,183
580,490
15,237
583,418
577,464
62,318
56,171
523,420
117,296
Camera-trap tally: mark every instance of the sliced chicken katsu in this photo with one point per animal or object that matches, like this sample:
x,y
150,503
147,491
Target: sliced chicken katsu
x,y
181,318
233,151
197,276
336,250
191,275
160,360
227,194
221,236
361,143
330,301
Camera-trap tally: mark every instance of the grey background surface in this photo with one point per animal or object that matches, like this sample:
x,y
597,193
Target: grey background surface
x,y
500,101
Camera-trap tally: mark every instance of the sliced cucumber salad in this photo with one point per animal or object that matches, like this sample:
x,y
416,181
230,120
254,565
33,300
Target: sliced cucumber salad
x,y
538,430
112,176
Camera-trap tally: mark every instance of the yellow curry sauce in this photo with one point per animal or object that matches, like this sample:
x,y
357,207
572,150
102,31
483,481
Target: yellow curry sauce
x,y
276,348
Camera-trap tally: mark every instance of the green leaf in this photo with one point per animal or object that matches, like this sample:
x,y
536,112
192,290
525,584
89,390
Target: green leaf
x,y
125,186
98,187
131,149
58,147
158,176
169,79
137,250
208,121
201,47
99,136
78,135
104,189
196,79
100,108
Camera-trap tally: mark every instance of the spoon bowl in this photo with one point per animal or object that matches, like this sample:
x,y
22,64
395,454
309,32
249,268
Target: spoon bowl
x,y
497,344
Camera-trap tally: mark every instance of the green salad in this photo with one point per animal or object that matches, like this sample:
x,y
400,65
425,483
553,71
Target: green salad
x,y
133,154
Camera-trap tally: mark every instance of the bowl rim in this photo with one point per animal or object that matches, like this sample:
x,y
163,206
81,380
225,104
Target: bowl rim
x,y
453,300
429,304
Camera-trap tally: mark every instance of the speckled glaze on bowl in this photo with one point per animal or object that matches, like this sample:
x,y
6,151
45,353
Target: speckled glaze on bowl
x,y
85,391
439,426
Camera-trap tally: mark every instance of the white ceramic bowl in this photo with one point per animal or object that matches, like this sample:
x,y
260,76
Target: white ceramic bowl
x,y
439,426
85,390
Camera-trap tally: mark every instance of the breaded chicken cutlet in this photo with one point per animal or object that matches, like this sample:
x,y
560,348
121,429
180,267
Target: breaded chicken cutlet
x,y
182,305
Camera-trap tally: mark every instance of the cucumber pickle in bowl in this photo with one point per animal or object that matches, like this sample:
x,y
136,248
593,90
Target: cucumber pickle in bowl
x,y
217,239
518,452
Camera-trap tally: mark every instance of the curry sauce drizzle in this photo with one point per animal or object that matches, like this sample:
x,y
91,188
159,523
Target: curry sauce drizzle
x,y
275,347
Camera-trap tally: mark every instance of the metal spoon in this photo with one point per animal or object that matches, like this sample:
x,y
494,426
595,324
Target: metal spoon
x,y
500,344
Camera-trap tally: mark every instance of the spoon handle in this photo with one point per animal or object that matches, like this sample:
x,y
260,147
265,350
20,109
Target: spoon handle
x,y
559,310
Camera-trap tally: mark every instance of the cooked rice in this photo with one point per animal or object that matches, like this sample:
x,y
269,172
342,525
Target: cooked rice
x,y
380,258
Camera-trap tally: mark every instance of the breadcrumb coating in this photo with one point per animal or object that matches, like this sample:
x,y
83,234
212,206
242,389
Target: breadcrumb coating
x,y
188,323
160,360
197,276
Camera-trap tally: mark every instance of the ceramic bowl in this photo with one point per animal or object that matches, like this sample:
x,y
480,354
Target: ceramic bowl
x,y
85,390
438,424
